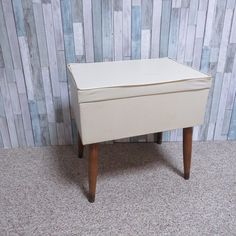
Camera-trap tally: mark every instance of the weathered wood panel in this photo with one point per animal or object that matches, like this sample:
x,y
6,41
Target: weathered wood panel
x,y
39,37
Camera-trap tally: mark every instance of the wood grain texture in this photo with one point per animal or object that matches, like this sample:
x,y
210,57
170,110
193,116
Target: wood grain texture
x,y
38,38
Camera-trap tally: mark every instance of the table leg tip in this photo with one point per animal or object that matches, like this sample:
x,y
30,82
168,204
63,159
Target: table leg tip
x,y
91,198
186,176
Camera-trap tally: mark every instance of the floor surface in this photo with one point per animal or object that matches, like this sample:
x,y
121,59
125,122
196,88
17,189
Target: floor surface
x,y
140,191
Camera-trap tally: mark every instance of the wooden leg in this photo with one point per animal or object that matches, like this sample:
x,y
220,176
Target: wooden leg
x,y
80,147
187,150
159,138
92,170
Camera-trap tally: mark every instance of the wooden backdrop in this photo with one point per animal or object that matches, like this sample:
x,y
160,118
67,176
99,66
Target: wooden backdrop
x,y
39,37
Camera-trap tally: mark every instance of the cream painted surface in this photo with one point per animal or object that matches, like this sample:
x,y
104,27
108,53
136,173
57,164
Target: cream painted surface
x,y
120,118
131,73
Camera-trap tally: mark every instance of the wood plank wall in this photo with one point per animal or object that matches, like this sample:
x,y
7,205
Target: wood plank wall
x,y
39,37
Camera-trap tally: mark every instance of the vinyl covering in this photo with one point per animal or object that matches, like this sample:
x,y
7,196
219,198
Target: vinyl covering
x,y
123,79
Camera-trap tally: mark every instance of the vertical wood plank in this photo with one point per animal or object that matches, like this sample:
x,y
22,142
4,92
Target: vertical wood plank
x,y
126,28
107,28
118,35
97,29
8,109
174,32
51,46
136,30
88,33
156,28
165,27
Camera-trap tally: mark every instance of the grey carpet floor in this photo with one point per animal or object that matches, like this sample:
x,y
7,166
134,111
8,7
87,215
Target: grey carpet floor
x,y
140,191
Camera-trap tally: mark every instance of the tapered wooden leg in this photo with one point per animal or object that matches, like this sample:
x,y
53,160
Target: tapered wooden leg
x,y
187,150
92,171
159,138
80,147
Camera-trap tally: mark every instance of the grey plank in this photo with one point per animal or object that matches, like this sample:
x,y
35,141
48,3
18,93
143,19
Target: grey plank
x,y
26,68
78,38
186,3
209,22
231,4
1,140
26,120
224,40
20,130
61,66
33,48
41,35
53,133
11,31
233,30
174,32
5,133
118,5
156,28
58,109
97,29
48,21
118,35
203,5
57,24
45,136
145,43
77,10
68,134
193,12
217,27
222,106
2,110
41,107
14,98
182,34
60,133
88,33
35,123
126,28
215,104
20,81
188,57
6,50
1,59
65,102
231,51
8,109
48,95
165,27
147,13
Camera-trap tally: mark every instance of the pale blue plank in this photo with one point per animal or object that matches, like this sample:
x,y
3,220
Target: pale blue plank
x,y
136,32
69,48
66,16
19,17
165,27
